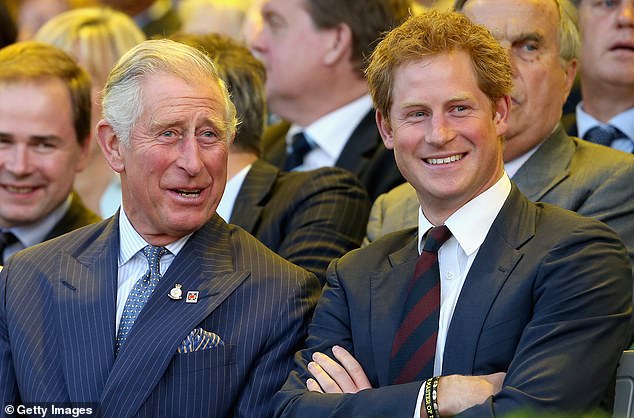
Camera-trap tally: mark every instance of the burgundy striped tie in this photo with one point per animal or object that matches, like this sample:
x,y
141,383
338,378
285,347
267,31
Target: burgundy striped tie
x,y
414,345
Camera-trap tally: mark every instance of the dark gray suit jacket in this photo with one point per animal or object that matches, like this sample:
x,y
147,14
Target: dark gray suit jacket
x,y
547,300
364,155
57,326
307,217
574,174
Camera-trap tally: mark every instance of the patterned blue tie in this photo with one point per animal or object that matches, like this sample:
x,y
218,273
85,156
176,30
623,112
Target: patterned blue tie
x,y
140,293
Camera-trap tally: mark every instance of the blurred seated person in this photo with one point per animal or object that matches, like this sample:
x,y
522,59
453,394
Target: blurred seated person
x,y
310,217
157,18
44,142
33,14
97,37
606,113
214,16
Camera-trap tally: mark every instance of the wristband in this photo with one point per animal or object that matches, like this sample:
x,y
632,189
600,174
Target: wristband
x,y
431,397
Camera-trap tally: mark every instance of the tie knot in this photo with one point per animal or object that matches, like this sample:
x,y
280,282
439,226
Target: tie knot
x,y
7,238
436,237
603,135
300,144
299,148
153,255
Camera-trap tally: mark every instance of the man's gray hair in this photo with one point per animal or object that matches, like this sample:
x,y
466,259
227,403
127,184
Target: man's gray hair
x,y
122,97
567,33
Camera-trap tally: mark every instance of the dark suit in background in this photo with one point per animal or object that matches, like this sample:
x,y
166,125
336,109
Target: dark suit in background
x,y
59,343
543,281
75,217
364,155
308,217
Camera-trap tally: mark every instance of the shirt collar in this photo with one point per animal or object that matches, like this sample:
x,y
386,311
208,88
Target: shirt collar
x,y
470,224
624,122
34,233
228,200
130,242
331,132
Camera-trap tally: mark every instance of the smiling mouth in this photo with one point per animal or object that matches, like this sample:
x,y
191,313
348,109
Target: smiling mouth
x,y
20,190
446,160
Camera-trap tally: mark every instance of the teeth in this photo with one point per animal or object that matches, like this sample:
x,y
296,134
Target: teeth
x,y
20,190
447,160
189,193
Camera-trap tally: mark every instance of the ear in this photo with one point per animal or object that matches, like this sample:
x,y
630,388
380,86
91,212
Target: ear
x,y
502,113
338,44
385,129
110,146
570,70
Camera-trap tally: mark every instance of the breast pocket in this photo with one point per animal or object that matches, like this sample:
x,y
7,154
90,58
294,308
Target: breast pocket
x,y
212,358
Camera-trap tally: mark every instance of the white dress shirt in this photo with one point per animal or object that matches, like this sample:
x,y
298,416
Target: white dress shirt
x,y
329,134
469,227
132,262
228,201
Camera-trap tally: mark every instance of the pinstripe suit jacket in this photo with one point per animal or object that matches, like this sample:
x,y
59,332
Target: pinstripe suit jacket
x,y
574,174
308,217
364,155
57,326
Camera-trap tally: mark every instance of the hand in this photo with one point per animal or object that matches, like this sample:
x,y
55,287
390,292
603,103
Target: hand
x,y
347,376
457,393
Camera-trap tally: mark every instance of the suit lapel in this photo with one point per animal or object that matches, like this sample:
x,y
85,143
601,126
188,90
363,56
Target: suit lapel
x,y
360,146
496,259
548,167
252,197
205,265
389,291
75,217
86,298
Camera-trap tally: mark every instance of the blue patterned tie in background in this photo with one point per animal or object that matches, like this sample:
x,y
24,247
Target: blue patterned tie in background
x,y
140,293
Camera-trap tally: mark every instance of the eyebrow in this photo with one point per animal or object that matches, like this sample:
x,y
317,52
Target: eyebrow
x,y
45,138
528,36
453,99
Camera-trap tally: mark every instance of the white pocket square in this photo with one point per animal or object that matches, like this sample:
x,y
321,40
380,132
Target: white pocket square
x,y
199,339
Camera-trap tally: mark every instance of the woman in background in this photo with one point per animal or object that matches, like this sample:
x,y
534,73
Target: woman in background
x,y
97,37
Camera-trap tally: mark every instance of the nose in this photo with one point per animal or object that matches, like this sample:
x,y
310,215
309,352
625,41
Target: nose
x,y
190,158
441,131
625,15
18,161
256,39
